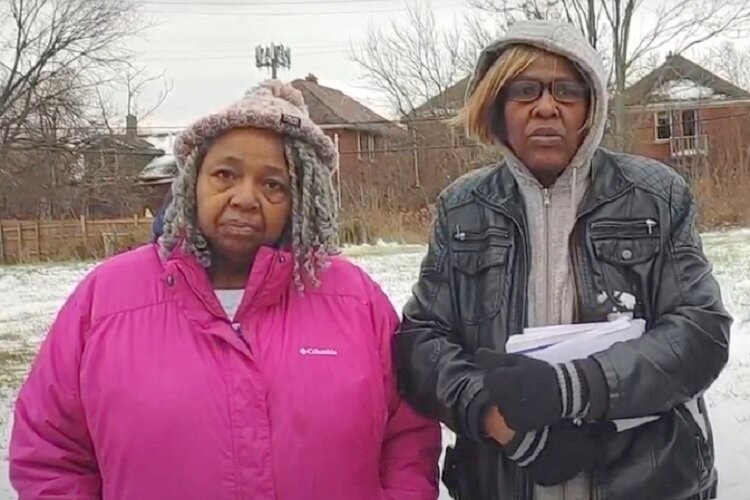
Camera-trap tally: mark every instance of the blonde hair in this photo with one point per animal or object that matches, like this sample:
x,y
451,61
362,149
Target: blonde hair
x,y
479,116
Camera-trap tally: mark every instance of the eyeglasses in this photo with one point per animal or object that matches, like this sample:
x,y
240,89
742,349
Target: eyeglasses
x,y
565,91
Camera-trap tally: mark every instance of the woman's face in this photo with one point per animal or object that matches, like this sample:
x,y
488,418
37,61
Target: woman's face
x,y
545,110
243,194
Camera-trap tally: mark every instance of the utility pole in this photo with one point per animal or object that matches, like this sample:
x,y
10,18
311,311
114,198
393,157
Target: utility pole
x,y
273,56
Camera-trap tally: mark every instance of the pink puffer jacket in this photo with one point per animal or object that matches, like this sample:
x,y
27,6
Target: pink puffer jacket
x,y
143,389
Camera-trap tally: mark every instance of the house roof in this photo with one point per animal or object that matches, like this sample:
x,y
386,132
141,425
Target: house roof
x,y
161,170
680,79
330,106
122,142
677,79
446,103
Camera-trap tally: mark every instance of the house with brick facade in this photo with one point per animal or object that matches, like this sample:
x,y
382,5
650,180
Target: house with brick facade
x,y
680,113
444,151
688,117
376,155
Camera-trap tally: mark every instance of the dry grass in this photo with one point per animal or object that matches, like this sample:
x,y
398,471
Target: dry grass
x,y
723,203
399,227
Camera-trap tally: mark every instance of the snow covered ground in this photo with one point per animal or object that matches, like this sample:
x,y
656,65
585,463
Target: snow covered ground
x,y
31,295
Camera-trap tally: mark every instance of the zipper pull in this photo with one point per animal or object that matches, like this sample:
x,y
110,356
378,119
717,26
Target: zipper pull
x,y
237,329
650,223
459,235
547,201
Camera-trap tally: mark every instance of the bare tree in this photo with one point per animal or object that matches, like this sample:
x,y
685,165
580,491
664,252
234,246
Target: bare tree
x,y
136,81
54,56
586,14
111,108
55,48
730,62
413,59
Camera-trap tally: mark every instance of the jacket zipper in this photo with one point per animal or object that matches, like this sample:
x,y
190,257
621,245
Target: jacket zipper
x,y
621,228
547,281
237,328
650,224
460,235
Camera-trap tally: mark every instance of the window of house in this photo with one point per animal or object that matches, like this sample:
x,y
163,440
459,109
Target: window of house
x,y
366,146
663,125
371,146
689,123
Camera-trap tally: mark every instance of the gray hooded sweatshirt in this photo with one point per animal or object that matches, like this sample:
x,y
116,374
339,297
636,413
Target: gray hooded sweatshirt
x,y
551,212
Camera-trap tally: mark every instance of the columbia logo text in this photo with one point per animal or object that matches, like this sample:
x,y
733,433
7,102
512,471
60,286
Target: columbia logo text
x,y
314,351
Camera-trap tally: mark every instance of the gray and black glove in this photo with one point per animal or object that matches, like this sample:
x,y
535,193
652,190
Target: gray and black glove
x,y
558,453
532,394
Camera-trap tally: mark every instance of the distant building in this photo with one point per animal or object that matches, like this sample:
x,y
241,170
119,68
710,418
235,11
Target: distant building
x,y
376,153
686,116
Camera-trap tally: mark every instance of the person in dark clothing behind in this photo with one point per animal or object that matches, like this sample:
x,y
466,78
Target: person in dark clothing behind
x,y
563,231
157,227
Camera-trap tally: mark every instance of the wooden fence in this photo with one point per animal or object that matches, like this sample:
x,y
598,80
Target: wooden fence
x,y
29,241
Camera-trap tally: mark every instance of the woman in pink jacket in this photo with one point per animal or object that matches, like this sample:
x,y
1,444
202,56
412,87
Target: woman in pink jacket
x,y
236,358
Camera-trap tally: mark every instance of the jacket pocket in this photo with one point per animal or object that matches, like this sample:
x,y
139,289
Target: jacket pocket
x,y
625,242
480,261
460,471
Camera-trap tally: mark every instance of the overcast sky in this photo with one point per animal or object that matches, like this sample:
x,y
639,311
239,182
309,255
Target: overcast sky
x,y
208,48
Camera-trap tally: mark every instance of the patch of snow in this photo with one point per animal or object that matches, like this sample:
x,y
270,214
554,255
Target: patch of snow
x,y
163,141
159,170
686,90
31,295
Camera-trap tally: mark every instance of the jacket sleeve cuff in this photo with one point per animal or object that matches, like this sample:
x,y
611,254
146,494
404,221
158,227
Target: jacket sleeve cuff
x,y
598,393
526,447
475,415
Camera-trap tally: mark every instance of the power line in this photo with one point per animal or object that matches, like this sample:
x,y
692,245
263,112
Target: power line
x,y
410,147
210,57
384,121
244,12
278,14
258,4
169,128
112,150
236,47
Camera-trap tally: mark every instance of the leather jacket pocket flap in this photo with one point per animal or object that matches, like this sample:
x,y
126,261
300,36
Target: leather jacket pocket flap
x,y
626,252
474,263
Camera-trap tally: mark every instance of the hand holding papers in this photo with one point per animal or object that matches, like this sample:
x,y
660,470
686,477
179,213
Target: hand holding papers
x,y
562,343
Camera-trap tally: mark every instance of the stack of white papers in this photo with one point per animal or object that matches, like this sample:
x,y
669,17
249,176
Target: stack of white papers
x,y
562,343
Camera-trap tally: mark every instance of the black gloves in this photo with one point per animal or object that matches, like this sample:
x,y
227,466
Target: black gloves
x,y
558,453
531,393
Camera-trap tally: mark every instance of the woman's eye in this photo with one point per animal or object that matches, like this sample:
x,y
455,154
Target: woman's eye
x,y
224,174
274,185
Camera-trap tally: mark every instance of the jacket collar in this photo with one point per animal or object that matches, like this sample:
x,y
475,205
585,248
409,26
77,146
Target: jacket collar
x,y
500,190
269,279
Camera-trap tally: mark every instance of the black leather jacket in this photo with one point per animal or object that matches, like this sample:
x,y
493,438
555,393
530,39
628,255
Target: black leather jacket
x,y
635,233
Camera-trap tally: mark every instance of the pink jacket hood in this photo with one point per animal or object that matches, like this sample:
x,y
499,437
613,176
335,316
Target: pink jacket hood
x,y
144,389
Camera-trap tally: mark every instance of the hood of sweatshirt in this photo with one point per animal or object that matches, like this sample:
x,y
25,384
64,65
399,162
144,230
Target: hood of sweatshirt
x,y
567,41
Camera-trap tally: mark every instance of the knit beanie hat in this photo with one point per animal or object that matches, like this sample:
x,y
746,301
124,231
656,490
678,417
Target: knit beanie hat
x,y
271,105
312,157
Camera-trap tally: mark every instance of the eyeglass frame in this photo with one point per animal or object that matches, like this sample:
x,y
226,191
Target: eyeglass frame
x,y
550,87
